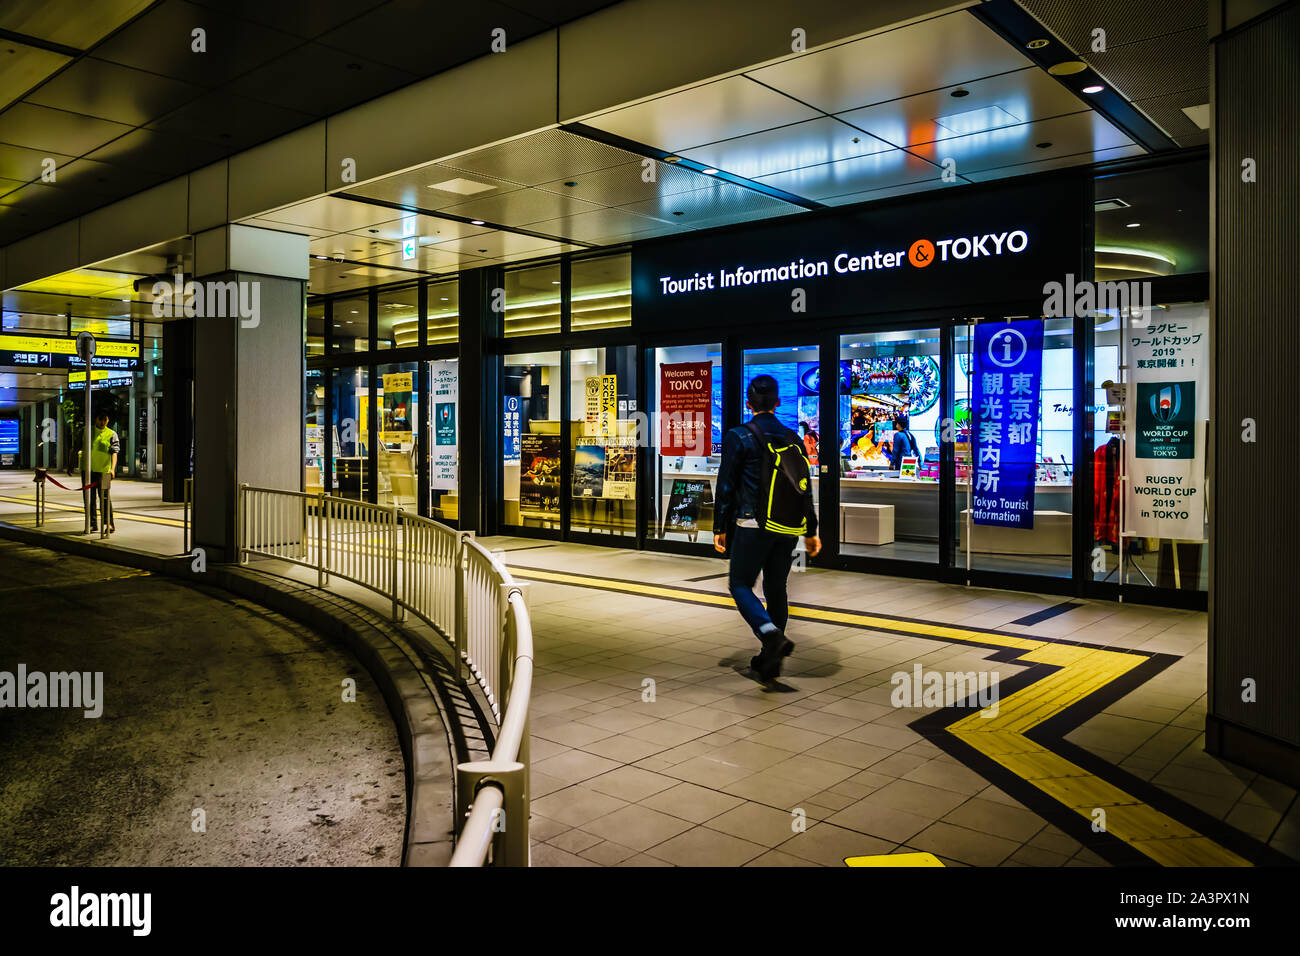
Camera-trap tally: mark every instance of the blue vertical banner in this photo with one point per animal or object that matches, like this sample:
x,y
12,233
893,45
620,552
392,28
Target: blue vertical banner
x,y
1006,390
511,427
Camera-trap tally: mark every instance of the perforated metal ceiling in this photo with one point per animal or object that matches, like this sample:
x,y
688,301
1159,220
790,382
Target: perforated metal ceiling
x,y
1157,53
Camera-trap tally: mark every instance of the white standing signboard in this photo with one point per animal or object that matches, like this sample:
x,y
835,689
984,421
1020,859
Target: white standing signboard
x,y
443,389
1167,402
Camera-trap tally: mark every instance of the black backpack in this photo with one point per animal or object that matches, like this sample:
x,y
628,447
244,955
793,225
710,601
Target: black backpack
x,y
784,482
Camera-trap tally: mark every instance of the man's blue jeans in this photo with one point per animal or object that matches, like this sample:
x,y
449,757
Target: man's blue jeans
x,y
754,550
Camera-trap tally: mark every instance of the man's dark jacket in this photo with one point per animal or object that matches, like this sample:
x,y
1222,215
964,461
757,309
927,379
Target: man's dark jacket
x,y
738,494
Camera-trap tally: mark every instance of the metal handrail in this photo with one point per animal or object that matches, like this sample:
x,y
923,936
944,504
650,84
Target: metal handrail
x,y
459,589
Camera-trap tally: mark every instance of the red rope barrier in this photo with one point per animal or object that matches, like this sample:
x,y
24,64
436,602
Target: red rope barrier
x,y
43,475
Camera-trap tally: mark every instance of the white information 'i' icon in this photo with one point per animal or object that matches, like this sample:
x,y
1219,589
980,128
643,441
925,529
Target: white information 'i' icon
x,y
1007,347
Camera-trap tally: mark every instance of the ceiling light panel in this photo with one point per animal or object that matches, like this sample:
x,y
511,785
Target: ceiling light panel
x,y
940,52
1068,135
624,184
703,114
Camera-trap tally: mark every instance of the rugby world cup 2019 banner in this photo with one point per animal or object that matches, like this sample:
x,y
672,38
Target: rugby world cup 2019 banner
x,y
1006,386
1168,403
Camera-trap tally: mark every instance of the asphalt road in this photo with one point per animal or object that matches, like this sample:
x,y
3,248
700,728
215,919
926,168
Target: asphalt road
x,y
209,703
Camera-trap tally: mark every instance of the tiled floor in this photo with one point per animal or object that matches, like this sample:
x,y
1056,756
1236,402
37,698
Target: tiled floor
x,y
652,745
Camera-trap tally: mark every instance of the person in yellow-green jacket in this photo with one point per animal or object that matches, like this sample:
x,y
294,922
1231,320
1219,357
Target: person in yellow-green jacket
x,y
105,446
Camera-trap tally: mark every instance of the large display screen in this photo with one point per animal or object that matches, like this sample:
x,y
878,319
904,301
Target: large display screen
x,y
8,436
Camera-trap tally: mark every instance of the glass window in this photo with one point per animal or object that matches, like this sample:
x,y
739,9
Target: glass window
x,y
315,331
530,478
444,433
351,397
352,324
397,412
314,438
602,293
1180,564
533,300
443,311
1046,547
398,319
889,419
603,439
686,395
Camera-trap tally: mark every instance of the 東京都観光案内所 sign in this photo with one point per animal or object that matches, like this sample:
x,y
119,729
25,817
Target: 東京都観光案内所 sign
x,y
1005,390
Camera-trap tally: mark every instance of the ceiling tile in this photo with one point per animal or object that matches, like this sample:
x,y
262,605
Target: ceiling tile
x,y
159,152
1063,136
262,223
73,23
162,41
22,67
228,120
604,227
318,80
876,171
303,18
496,243
942,51
620,185
1123,20
332,214
714,111
113,92
1057,162
1004,100
1156,67
38,127
719,199
428,259
24,165
414,187
105,179
541,157
520,207
427,228
809,143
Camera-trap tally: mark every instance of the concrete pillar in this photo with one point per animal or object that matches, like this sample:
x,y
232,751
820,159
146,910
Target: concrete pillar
x,y
248,374
1253,714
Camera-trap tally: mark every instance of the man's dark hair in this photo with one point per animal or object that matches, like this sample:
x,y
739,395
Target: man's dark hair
x,y
762,394
900,422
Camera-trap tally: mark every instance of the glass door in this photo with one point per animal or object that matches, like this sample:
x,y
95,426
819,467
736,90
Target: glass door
x,y
890,433
797,371
685,394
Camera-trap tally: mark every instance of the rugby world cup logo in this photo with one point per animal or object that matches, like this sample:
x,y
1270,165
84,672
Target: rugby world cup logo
x,y
1166,403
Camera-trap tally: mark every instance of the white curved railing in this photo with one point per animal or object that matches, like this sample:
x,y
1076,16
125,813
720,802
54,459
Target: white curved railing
x,y
449,581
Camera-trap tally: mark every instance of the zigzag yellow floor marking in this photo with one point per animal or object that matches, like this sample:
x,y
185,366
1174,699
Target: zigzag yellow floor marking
x,y
1082,672
894,859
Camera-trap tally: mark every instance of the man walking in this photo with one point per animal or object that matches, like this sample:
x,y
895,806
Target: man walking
x,y
763,505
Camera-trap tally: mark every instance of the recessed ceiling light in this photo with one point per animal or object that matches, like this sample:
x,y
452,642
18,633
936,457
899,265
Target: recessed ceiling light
x,y
320,257
1043,145
959,93
555,282
1094,88
354,311
709,172
444,298
1132,225
373,232
1067,68
476,222
678,212
571,183
1037,44
672,159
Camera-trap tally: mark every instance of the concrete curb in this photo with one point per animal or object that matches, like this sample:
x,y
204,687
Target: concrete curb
x,y
410,688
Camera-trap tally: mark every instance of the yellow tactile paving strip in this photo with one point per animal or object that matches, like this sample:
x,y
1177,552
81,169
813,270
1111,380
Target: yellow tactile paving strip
x,y
1081,671
117,515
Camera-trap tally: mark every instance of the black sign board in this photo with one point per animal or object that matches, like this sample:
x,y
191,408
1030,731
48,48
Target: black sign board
x,y
955,249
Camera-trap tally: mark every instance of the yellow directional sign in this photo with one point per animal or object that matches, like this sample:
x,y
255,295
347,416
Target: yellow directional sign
x,y
60,345
894,859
